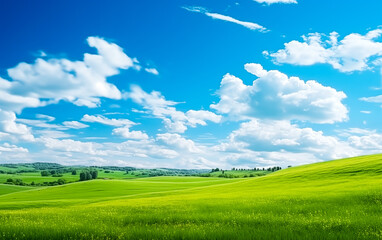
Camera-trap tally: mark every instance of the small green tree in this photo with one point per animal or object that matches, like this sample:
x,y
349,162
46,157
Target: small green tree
x,y
82,176
88,176
94,174
61,181
44,173
74,172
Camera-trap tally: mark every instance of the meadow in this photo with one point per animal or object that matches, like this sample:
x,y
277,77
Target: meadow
x,y
340,199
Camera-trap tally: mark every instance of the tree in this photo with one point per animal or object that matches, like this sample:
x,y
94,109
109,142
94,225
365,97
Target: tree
x,y
88,176
82,176
61,181
74,172
94,174
44,173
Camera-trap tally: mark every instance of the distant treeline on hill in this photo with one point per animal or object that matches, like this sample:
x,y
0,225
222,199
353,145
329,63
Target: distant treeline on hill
x,y
240,172
60,174
270,169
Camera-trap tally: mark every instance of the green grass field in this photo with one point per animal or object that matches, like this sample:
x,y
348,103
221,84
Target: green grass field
x,y
6,189
339,199
36,177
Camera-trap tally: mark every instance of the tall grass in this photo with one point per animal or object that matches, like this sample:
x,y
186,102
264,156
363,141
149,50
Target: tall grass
x,y
332,200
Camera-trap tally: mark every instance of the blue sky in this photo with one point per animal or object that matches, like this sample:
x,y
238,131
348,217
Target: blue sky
x,y
190,84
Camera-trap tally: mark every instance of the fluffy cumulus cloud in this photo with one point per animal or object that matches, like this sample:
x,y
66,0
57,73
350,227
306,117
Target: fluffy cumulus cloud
x,y
274,95
123,126
175,121
355,52
282,136
6,147
177,141
276,1
249,25
47,81
9,128
50,80
69,145
368,140
127,133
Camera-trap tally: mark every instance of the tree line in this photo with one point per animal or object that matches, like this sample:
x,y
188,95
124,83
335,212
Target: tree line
x,y
88,175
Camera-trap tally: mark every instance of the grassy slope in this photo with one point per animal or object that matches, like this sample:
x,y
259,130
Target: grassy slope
x,y
18,168
7,189
36,177
98,190
339,199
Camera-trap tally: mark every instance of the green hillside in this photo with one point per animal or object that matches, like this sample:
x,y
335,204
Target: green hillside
x,y
6,189
339,199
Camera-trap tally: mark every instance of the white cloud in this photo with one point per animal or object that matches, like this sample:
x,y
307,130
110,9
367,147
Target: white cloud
x,y
376,99
46,117
9,126
275,136
48,81
275,1
49,133
69,145
355,52
152,71
74,124
126,133
175,121
6,147
107,121
44,122
274,95
81,82
249,25
371,142
177,141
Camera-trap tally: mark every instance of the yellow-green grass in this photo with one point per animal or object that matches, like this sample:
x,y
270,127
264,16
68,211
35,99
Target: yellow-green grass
x,y
98,190
6,189
339,199
36,177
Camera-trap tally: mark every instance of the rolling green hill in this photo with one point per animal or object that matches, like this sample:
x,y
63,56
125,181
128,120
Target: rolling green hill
x,y
339,199
7,189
